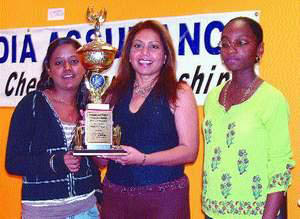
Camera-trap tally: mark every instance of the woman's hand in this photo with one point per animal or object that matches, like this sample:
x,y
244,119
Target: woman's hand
x,y
72,162
82,114
133,157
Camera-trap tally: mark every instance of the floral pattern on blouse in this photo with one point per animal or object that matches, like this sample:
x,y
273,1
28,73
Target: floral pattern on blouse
x,y
230,134
207,131
216,159
204,189
281,179
256,187
226,185
233,207
243,161
247,155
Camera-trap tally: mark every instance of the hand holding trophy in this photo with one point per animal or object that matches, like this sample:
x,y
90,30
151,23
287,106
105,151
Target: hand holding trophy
x,y
97,133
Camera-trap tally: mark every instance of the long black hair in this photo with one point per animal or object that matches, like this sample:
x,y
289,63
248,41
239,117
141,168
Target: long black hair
x,y
46,81
166,85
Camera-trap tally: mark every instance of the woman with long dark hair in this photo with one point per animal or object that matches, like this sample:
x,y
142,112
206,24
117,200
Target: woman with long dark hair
x,y
56,184
159,122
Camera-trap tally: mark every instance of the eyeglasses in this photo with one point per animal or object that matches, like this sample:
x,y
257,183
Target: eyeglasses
x,y
225,44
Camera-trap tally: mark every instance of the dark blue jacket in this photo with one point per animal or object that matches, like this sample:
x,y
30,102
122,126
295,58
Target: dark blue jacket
x,y
35,135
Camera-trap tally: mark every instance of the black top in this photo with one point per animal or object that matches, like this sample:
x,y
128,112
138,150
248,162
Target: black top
x,y
151,129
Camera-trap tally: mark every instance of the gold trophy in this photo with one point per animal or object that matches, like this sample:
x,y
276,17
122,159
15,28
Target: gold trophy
x,y
96,136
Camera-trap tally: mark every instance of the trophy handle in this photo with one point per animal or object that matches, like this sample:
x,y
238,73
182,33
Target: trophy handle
x,y
78,137
117,133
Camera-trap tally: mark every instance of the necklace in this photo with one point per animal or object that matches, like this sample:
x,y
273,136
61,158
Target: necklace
x,y
62,101
58,99
245,94
142,91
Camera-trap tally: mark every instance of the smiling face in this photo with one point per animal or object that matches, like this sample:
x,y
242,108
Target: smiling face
x,y
65,68
147,54
239,46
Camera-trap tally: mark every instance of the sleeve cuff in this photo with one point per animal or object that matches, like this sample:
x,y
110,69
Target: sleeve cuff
x,y
281,181
58,163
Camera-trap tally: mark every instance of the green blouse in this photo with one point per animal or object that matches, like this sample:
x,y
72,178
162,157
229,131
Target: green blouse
x,y
247,153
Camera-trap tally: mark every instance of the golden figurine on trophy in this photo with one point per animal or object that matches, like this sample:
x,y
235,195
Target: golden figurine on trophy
x,y
97,133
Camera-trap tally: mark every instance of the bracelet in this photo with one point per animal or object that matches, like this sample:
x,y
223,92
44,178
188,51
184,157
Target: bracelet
x,y
51,163
144,160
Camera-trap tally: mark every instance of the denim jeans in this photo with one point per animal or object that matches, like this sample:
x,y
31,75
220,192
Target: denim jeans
x,y
92,213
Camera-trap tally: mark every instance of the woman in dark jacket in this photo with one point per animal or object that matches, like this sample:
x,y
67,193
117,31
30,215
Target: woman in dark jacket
x,y
56,184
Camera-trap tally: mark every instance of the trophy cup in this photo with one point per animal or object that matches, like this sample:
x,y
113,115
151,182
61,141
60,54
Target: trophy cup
x,y
96,136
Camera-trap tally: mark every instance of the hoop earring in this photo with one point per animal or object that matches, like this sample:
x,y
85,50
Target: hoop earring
x,y
257,59
49,82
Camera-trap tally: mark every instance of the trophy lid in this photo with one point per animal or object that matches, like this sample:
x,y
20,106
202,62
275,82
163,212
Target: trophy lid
x,y
97,54
96,45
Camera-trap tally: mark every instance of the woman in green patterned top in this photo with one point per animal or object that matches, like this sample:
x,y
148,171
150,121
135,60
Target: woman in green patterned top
x,y
247,144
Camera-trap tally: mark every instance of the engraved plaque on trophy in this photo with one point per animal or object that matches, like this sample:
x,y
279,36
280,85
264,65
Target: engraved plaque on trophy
x,y
96,136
